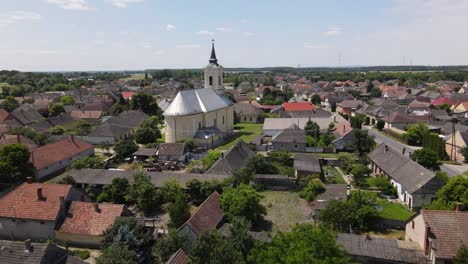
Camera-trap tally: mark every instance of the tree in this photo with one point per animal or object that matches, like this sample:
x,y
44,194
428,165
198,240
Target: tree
x,y
57,130
346,161
380,125
357,121
360,173
434,142
427,158
179,211
242,201
214,249
30,133
312,129
110,234
211,157
67,100
462,255
117,254
261,165
375,92
455,191
170,190
312,189
244,175
87,162
56,109
83,128
145,196
464,152
152,122
240,237
304,244
165,246
10,103
384,185
147,104
362,142
69,180
198,190
146,135
115,192
415,133
316,100
14,163
124,148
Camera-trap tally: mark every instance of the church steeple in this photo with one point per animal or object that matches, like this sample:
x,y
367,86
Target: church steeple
x,y
213,59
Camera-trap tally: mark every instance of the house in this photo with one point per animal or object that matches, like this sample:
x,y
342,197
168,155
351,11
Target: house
x,y
35,210
439,233
54,157
298,107
179,257
247,113
85,222
27,252
398,120
416,185
456,142
332,192
27,114
344,137
4,115
306,165
207,218
273,126
92,117
172,151
292,139
127,95
370,250
233,159
349,106
116,128
316,113
460,108
16,139
144,153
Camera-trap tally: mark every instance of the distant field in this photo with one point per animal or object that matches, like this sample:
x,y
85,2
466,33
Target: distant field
x,y
136,76
246,132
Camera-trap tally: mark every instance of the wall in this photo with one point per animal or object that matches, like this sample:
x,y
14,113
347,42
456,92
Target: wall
x,y
459,144
417,233
79,240
293,147
22,229
252,119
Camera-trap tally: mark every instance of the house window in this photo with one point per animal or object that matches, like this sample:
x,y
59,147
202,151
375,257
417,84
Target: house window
x,y
295,146
250,118
211,80
42,222
223,120
199,125
245,118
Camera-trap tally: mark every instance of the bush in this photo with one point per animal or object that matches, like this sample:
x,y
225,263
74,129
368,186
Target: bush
x,y
82,254
384,185
242,201
312,189
380,125
87,162
57,130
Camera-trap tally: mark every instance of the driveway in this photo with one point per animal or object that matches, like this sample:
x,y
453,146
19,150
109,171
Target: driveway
x,y
380,138
454,170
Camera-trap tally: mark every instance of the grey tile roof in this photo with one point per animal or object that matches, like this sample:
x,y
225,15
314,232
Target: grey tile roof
x,y
12,252
105,177
402,169
246,108
196,101
233,159
310,163
117,126
380,248
27,114
293,134
207,132
150,152
332,192
317,113
171,149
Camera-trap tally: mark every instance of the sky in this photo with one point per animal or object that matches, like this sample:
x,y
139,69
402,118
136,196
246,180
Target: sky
x,y
89,35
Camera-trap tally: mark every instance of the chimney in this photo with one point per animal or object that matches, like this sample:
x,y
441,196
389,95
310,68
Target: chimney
x,y
458,207
426,239
40,196
29,179
27,245
72,137
403,151
386,148
96,208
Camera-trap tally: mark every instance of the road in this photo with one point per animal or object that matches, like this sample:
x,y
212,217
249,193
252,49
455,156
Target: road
x,y
451,170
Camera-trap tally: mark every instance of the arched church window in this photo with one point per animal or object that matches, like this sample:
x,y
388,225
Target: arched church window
x,y
211,80
223,120
199,125
219,81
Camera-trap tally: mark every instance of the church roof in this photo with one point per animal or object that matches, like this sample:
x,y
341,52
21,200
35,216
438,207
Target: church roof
x,y
213,59
196,101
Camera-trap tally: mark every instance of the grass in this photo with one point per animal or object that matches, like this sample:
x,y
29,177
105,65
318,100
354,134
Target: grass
x,y
246,132
389,233
285,209
136,76
394,211
70,126
338,178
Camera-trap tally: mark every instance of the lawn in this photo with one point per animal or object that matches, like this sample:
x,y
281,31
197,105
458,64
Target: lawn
x,y
285,209
395,211
246,132
70,126
338,178
136,76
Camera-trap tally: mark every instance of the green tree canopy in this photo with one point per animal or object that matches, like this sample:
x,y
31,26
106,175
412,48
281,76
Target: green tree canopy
x,y
124,148
427,158
362,142
380,125
115,192
67,100
312,189
215,249
146,135
14,163
145,196
56,109
147,104
455,191
87,163
117,254
179,211
312,129
10,103
415,133
165,246
57,130
242,201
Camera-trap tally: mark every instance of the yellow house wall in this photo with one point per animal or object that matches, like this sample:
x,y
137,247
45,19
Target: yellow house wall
x,y
459,144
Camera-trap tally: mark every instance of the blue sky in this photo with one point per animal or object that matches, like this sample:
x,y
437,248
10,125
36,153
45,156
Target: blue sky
x,y
61,35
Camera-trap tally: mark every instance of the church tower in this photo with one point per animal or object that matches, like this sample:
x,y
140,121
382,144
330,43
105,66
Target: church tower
x,y
214,72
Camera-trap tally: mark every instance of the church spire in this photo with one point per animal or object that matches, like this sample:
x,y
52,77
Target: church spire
x,y
213,59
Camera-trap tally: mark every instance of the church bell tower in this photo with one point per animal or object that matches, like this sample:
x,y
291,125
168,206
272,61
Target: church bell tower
x,y
214,72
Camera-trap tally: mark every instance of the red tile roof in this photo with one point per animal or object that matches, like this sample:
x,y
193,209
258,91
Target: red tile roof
x,y
128,95
443,100
208,215
86,114
4,115
178,258
23,201
300,106
55,152
82,218
450,229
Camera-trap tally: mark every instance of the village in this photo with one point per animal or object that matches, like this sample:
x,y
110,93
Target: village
x,y
178,166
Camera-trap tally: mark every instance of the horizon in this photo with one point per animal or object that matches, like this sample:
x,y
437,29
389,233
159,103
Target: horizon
x,y
135,35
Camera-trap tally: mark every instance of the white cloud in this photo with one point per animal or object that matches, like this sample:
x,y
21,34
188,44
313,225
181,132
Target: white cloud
x,y
333,31
249,34
205,33
170,27
17,16
146,45
224,29
159,52
187,46
312,46
123,3
71,4
34,51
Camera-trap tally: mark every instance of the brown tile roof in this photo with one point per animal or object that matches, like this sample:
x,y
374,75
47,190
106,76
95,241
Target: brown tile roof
x,y
450,229
23,201
4,115
342,129
208,215
178,258
86,114
83,218
61,150
13,139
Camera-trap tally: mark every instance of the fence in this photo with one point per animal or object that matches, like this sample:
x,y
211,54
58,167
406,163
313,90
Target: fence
x,y
320,149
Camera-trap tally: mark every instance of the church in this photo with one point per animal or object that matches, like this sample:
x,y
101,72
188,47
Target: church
x,y
202,115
